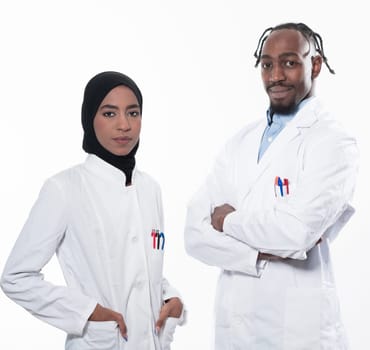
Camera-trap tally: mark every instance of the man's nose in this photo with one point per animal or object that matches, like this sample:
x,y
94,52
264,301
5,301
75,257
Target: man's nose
x,y
277,73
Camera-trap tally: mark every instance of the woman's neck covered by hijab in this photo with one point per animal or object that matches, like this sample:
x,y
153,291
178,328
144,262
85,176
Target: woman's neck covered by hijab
x,y
124,163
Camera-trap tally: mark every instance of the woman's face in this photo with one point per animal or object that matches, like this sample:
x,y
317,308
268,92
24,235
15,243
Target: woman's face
x,y
117,122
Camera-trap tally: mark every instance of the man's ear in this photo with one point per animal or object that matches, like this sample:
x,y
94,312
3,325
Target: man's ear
x,y
316,66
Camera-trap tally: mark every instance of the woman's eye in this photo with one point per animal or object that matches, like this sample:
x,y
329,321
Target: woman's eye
x,y
109,114
133,114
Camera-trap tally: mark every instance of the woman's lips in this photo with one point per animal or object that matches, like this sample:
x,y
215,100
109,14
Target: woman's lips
x,y
122,140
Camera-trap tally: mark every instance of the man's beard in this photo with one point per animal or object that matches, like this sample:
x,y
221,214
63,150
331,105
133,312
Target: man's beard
x,y
283,110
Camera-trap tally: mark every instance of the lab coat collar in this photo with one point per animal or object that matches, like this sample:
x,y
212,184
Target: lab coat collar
x,y
103,169
307,115
310,113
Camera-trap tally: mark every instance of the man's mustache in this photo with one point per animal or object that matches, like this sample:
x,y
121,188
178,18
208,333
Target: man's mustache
x,y
279,85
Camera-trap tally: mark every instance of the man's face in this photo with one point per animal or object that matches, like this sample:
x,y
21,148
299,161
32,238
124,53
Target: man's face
x,y
288,69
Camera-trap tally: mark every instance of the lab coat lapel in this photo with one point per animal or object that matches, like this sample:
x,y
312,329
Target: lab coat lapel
x,y
304,119
247,163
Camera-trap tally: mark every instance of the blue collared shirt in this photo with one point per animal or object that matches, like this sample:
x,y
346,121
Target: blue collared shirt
x,y
275,124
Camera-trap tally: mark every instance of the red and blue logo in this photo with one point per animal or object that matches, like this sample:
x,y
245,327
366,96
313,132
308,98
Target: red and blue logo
x,y
281,187
158,239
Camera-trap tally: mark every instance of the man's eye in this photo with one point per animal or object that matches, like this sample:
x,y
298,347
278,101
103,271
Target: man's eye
x,y
266,65
290,64
109,114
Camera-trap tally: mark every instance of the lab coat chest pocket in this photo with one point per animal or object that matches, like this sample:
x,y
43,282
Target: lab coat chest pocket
x,y
97,336
283,187
156,243
151,225
282,180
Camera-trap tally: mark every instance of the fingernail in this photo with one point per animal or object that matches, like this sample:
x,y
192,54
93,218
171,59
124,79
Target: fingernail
x,y
157,329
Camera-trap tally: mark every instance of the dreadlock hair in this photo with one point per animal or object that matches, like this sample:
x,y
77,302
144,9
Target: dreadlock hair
x,y
306,31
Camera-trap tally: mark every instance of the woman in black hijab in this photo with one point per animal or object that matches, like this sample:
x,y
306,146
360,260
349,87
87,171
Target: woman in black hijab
x,y
103,219
95,91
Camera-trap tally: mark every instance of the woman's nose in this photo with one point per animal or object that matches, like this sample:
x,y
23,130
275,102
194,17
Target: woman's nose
x,y
123,123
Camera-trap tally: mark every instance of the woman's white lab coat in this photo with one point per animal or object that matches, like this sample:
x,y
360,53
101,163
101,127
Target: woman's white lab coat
x,y
289,304
101,232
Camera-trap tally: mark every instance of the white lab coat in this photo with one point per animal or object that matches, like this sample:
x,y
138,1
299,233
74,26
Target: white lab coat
x,y
289,304
101,232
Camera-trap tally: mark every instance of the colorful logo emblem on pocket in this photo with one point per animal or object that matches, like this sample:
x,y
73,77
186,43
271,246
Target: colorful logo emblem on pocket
x,y
281,187
158,239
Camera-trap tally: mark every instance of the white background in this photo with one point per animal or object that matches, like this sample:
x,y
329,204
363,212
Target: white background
x,y
193,61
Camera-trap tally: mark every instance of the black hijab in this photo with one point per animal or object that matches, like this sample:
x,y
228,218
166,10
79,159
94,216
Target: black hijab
x,y
95,91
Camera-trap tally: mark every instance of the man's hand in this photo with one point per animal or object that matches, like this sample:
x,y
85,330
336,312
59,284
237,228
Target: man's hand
x,y
218,216
172,308
101,314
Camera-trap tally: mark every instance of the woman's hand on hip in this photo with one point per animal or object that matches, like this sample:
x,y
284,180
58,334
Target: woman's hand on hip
x,y
101,314
171,308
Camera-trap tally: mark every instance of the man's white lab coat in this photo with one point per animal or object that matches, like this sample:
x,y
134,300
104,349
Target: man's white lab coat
x,y
298,193
109,242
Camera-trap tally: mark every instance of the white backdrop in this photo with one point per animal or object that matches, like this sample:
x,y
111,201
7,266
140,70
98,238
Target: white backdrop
x,y
193,61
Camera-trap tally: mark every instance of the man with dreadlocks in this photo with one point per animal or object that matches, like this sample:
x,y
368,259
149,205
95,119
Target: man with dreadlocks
x,y
278,195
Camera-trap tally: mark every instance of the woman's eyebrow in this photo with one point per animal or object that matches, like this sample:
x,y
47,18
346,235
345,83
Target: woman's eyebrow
x,y
109,106
116,107
132,106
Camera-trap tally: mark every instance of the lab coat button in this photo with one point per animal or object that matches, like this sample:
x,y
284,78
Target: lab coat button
x,y
134,239
238,319
139,284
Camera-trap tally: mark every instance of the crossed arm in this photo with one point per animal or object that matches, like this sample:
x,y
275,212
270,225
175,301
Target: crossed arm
x,y
217,221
